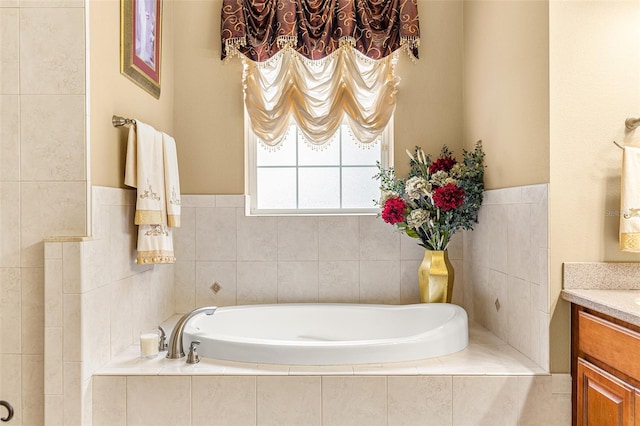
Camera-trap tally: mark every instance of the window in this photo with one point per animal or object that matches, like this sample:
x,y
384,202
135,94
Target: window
x,y
299,178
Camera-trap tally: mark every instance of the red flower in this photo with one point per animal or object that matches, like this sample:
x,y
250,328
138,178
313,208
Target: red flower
x,y
394,210
444,164
448,197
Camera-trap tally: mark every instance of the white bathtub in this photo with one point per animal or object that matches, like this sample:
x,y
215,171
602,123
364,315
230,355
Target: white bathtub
x,y
325,334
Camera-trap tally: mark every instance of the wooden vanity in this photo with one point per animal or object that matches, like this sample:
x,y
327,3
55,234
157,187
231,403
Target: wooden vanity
x,y
605,368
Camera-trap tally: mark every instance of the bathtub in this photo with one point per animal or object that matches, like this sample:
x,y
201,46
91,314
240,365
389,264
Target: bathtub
x,y
327,334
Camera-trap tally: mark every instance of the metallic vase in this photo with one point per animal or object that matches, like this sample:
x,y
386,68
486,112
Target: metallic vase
x,y
435,277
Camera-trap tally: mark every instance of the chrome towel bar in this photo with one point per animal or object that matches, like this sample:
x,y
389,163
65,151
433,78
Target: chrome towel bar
x,y
118,121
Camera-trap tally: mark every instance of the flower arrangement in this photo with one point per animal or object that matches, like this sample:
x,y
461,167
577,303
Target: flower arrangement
x,y
437,199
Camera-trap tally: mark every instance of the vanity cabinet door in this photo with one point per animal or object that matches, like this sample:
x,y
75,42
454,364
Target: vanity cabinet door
x,y
637,410
603,399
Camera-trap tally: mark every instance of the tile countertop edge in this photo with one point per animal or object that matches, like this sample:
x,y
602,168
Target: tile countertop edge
x,y
620,304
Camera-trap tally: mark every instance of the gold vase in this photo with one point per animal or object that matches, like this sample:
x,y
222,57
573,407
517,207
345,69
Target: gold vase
x,y
435,277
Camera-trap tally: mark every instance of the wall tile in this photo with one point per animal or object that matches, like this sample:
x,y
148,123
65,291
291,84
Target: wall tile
x,y
519,253
297,282
354,401
121,316
485,400
338,238
53,368
52,142
257,237
409,288
519,315
184,238
380,282
124,237
222,273
54,410
32,385
96,271
297,238
420,400
52,51
10,53
230,201
378,240
53,293
72,268
198,200
498,290
537,404
109,401
158,400
216,234
232,400
257,282
10,311
10,224
72,404
339,281
498,244
49,209
185,286
96,336
410,248
10,128
277,395
32,310
11,383
72,321
51,3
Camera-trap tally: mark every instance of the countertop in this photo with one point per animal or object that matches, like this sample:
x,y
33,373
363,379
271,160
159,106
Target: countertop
x,y
607,287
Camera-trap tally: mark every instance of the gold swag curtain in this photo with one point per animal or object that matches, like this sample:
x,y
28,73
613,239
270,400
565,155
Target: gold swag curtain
x,y
316,62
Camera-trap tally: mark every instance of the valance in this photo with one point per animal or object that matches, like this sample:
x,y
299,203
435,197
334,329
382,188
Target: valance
x,y
259,29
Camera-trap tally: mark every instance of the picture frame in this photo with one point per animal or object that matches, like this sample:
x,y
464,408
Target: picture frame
x,y
141,43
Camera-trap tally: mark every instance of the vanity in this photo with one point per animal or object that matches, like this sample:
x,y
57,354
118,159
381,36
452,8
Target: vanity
x,y
605,347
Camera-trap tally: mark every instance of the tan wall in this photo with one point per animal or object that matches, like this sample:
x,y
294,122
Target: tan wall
x,y
113,93
595,86
208,96
506,89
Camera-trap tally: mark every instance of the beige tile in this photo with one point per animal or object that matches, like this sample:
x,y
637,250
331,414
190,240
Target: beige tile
x,y
339,281
289,400
409,288
237,201
519,315
158,400
539,406
232,399
409,248
257,238
49,209
9,55
72,349
378,240
298,282
420,400
95,335
96,270
257,282
485,400
32,310
380,282
52,143
210,273
53,368
185,286
32,389
10,311
54,410
354,401
72,267
291,247
124,237
338,238
72,405
10,224
53,250
109,400
121,315
11,383
51,3
9,130
184,238
216,234
52,51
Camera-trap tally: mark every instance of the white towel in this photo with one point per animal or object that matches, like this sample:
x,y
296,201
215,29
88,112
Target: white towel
x,y
146,170
171,180
630,200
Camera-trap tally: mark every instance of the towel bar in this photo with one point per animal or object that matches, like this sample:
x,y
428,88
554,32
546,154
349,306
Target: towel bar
x,y
121,121
632,123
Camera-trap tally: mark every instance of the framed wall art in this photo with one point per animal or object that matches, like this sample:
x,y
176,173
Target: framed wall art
x,y
141,43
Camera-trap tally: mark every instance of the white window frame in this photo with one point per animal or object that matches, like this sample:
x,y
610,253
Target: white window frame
x,y
251,143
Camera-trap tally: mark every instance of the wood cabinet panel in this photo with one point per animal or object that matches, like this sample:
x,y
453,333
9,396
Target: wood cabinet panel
x,y
637,409
603,399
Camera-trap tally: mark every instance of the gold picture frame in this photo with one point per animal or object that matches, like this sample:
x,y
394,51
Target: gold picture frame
x,y
141,43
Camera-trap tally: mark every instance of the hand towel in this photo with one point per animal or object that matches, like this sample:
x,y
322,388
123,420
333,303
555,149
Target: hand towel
x,y
145,170
171,180
630,200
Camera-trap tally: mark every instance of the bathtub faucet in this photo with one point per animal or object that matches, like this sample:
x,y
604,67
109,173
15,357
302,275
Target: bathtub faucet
x,y
175,349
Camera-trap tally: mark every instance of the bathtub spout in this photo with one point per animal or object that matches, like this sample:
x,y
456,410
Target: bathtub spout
x,y
175,349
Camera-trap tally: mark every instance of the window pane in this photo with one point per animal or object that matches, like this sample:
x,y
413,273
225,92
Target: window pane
x,y
325,155
358,154
319,188
359,189
281,155
276,188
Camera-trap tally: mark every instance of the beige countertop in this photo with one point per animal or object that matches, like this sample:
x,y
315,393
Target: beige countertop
x,y
621,304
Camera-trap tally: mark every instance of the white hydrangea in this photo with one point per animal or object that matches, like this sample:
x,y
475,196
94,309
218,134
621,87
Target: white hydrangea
x,y
441,178
417,218
386,195
417,187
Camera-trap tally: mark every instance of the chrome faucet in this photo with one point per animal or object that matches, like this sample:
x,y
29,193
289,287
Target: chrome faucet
x,y
175,349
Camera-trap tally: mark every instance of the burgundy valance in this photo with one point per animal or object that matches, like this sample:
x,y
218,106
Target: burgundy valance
x,y
258,29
